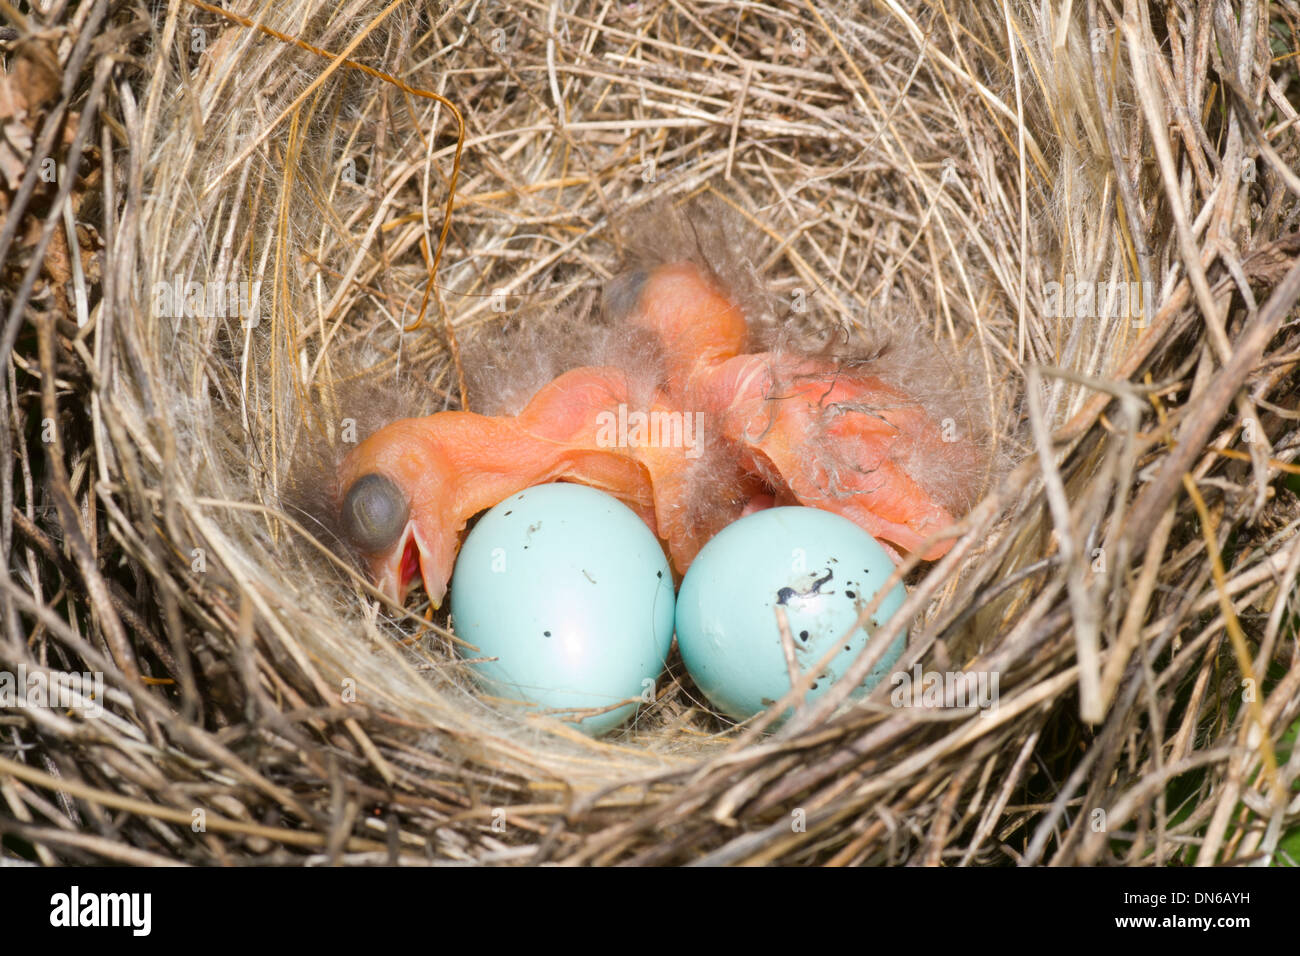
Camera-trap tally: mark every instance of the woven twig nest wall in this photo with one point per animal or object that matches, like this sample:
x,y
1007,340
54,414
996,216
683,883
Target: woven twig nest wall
x,y
209,297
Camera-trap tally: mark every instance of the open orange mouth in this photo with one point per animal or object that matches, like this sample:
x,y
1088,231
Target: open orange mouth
x,y
409,562
410,565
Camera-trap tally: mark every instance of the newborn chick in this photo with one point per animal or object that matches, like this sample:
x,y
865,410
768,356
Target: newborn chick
x,y
413,485
820,433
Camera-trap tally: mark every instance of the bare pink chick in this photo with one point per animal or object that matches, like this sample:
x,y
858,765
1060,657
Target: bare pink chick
x,y
819,433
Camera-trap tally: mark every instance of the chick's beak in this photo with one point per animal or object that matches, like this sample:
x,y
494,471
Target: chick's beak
x,y
414,554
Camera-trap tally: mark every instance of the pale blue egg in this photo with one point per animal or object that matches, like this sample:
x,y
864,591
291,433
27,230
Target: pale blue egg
x,y
571,592
822,568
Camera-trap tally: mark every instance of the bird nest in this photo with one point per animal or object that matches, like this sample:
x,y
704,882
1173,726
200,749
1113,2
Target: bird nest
x,y
219,230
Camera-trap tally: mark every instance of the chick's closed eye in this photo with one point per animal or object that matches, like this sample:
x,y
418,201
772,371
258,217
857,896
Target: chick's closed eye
x,y
374,513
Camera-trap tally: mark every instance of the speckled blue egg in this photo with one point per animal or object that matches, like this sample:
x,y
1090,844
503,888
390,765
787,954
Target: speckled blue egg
x,y
571,594
820,567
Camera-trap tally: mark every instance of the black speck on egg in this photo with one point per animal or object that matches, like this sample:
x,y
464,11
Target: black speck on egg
x,y
814,686
508,513
803,635
546,633
851,594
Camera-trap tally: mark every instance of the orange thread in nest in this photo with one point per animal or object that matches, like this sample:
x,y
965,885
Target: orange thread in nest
x,y
351,64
